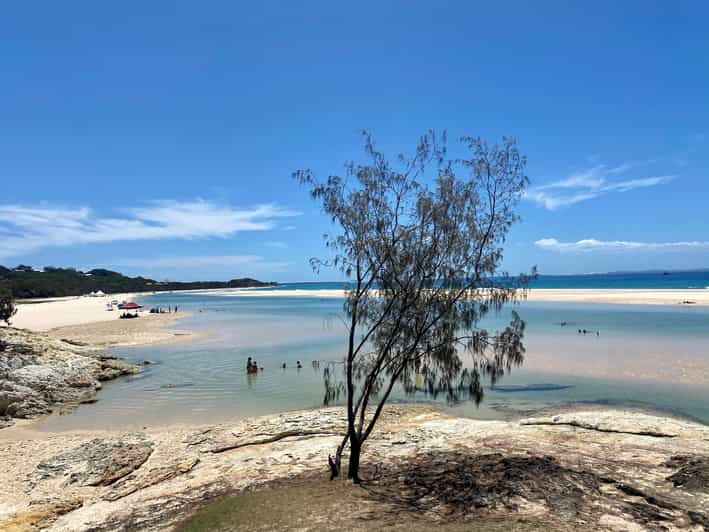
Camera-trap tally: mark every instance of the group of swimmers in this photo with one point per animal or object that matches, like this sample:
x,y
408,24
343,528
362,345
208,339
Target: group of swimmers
x,y
253,367
581,331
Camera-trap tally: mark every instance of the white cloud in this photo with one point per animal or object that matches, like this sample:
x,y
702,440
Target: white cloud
x,y
589,184
591,244
198,261
624,186
27,229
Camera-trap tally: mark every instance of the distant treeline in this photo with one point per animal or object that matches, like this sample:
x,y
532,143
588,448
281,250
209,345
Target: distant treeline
x,y
25,282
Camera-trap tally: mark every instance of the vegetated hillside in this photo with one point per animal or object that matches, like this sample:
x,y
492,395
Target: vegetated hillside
x,y
25,282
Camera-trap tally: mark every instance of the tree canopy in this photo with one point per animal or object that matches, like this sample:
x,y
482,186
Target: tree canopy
x,y
420,243
26,282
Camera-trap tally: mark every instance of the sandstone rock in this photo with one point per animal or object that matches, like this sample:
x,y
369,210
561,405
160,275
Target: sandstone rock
x,y
641,424
40,515
444,468
133,482
99,462
38,372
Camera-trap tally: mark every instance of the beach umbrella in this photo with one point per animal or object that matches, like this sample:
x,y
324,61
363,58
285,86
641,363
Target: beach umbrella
x,y
130,306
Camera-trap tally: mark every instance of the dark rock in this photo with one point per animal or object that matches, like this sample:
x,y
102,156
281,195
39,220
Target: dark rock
x,y
700,519
693,472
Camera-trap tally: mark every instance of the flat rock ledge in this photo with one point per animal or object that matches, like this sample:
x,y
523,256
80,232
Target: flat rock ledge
x,y
600,470
38,373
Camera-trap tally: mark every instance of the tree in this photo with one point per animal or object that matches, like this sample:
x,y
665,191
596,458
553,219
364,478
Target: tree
x,y
7,306
420,248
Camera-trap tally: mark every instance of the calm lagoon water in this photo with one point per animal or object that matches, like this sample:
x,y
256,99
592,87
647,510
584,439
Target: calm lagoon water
x,y
647,357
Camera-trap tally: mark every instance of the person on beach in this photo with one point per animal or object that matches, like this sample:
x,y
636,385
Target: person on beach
x,y
298,365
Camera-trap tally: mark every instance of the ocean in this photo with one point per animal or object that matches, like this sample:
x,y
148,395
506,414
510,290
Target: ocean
x,y
648,357
614,280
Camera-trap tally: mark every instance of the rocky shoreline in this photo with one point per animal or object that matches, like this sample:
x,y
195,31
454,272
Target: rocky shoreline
x,y
39,373
601,470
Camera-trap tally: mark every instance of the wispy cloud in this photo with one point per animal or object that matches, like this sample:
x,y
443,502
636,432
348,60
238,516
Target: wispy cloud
x,y
25,229
590,184
591,244
199,261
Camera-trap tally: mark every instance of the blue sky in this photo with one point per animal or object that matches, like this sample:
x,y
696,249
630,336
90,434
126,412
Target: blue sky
x,y
158,138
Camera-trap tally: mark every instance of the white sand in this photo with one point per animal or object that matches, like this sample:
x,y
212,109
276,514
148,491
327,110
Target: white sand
x,y
622,296
60,312
615,296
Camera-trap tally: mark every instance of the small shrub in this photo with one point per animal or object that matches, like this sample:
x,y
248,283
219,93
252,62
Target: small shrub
x,y
7,307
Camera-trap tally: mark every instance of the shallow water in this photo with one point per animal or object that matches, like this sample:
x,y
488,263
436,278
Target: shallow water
x,y
644,356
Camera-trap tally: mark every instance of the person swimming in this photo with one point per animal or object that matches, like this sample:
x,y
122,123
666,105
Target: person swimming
x,y
298,365
251,366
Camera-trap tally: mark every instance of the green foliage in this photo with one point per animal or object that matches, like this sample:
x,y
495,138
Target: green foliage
x,y
24,282
420,241
7,306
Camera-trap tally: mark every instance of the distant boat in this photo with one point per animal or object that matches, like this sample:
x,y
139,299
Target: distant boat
x,y
665,273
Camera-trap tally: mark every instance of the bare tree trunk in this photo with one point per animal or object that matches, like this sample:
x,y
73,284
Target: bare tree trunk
x,y
335,463
355,452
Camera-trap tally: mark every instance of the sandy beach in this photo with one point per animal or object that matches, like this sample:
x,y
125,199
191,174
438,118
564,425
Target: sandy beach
x,y
622,296
85,320
148,329
613,296
45,314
